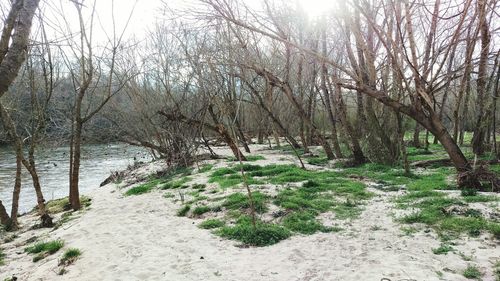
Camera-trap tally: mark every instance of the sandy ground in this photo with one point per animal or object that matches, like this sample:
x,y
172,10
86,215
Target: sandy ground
x,y
141,238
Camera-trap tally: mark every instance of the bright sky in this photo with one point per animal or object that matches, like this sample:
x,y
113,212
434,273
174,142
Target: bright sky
x,y
145,13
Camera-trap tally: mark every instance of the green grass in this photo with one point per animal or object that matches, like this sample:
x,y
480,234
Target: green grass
x,y
229,177
143,188
175,184
211,224
317,160
496,270
304,222
199,186
431,212
300,199
443,249
205,168
250,158
50,247
264,234
182,212
238,201
481,198
2,257
70,256
347,210
44,249
60,205
472,272
200,210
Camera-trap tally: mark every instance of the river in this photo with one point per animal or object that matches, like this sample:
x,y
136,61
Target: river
x,y
98,161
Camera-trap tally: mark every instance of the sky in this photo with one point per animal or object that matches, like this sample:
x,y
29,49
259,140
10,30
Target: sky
x,y
145,13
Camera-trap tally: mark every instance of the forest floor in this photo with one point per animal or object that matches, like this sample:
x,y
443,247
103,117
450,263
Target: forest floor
x,y
325,223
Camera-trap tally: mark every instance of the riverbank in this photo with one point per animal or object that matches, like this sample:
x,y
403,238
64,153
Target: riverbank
x,y
98,161
142,237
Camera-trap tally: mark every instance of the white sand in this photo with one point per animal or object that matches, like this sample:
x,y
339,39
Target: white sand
x,y
141,238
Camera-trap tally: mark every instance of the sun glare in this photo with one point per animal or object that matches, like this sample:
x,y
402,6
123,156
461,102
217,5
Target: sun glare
x,y
316,8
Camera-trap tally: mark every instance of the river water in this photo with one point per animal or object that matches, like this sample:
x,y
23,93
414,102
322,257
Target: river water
x,y
98,161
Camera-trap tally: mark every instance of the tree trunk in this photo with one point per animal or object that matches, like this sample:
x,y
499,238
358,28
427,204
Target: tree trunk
x,y
15,194
42,211
359,157
74,193
326,94
482,97
4,216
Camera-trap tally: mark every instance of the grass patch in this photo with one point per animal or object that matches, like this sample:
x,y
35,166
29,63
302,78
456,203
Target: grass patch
x,y
143,188
199,186
301,199
250,158
205,168
472,272
443,249
2,257
347,210
238,201
317,160
304,222
200,210
44,249
228,177
70,256
211,224
480,198
62,204
263,235
168,195
175,184
182,212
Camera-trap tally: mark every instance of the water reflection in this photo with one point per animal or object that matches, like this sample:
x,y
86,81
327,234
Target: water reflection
x,y
98,161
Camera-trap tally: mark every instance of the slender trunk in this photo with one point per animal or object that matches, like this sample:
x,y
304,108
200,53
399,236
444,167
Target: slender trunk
x,y
74,193
17,190
402,145
242,136
42,211
482,97
326,94
358,155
